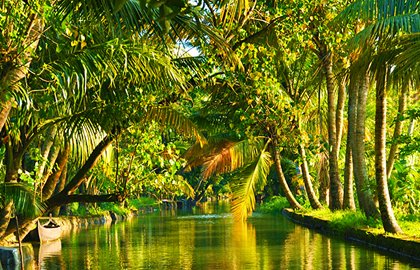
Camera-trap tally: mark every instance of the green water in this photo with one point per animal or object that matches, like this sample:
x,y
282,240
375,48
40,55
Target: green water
x,y
207,239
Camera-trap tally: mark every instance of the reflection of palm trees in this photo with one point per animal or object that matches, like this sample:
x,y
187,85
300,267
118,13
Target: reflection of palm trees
x,y
211,242
305,249
350,258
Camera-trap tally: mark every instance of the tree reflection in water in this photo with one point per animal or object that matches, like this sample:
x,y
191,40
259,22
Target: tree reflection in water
x,y
210,240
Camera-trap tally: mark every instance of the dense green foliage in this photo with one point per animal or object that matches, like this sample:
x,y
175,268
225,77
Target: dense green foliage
x,y
102,103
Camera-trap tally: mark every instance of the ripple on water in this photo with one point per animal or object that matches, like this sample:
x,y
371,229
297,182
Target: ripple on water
x,y
208,216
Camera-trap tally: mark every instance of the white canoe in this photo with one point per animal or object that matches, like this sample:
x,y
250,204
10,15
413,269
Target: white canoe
x,y
48,233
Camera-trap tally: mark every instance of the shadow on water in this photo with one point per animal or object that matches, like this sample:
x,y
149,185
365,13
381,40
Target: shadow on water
x,y
208,238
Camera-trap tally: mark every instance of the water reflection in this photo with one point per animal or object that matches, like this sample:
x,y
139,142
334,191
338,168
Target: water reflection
x,y
209,239
48,250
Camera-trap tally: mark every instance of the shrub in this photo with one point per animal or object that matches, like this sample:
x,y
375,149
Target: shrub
x,y
274,205
141,202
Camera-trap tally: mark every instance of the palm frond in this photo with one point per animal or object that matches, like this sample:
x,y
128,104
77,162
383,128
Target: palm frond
x,y
185,187
190,27
233,10
173,119
372,10
83,135
384,18
385,29
194,65
115,14
254,176
26,203
109,62
231,156
409,58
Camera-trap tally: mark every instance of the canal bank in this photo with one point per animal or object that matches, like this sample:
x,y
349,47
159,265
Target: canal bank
x,y
401,246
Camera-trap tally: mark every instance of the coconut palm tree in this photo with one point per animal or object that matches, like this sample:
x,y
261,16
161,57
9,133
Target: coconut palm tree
x,y
385,20
98,80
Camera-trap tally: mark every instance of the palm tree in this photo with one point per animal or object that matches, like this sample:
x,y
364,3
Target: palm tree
x,y
357,145
17,51
94,80
385,19
296,81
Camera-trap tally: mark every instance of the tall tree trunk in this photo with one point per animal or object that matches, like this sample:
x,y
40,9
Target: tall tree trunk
x,y
387,214
315,204
339,116
336,188
402,104
348,202
364,194
410,134
324,183
52,181
282,179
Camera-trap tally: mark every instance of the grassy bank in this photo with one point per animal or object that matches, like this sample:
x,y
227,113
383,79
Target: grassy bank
x,y
345,219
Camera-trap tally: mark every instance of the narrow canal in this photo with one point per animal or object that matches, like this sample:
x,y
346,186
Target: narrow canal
x,y
207,239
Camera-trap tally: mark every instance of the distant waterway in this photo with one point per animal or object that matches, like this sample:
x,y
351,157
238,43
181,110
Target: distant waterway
x,y
207,238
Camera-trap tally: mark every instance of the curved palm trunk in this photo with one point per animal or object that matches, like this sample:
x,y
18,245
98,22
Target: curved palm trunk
x,y
410,134
52,181
364,194
387,214
60,186
8,82
79,178
402,104
46,147
27,227
283,183
52,158
315,204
